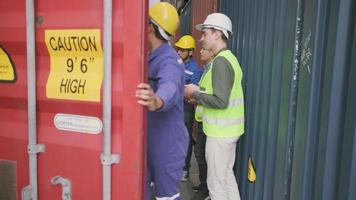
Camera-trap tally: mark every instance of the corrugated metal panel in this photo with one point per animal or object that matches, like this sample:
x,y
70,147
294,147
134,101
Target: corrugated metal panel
x,y
185,19
299,63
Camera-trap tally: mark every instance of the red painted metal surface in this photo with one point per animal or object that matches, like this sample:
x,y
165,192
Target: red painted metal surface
x,y
201,9
74,155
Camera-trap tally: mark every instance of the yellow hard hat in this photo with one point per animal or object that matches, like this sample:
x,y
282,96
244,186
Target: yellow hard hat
x,y
166,16
186,42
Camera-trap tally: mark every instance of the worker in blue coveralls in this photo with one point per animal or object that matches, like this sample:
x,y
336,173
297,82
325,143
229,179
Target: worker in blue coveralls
x,y
167,137
185,47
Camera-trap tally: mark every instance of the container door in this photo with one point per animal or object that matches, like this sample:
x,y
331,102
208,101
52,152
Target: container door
x,y
69,37
13,100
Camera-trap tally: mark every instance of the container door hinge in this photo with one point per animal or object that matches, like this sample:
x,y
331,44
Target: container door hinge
x,y
26,193
38,148
66,186
109,159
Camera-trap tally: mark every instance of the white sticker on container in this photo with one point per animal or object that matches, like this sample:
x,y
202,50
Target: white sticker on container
x,y
78,123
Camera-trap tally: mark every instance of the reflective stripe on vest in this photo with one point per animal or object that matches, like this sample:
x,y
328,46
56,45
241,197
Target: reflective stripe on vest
x,y
236,102
198,113
223,122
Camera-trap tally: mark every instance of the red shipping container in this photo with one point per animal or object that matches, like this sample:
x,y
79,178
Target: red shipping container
x,y
69,98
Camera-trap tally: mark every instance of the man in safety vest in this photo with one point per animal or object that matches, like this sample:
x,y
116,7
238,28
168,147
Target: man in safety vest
x,y
221,98
167,137
185,47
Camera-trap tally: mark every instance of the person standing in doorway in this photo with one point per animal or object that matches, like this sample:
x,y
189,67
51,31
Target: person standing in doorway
x,y
167,137
221,97
185,47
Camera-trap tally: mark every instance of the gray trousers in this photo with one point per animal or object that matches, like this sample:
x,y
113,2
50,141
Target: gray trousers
x,y
220,156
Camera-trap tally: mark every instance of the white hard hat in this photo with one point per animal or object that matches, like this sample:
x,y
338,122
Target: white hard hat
x,y
217,21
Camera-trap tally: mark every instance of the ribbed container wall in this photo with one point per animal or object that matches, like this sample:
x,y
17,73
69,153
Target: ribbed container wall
x,y
299,63
185,19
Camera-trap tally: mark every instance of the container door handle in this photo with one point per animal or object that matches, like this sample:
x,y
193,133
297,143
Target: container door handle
x,y
66,186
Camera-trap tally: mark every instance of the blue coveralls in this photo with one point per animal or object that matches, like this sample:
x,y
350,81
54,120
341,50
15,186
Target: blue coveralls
x,y
192,72
167,138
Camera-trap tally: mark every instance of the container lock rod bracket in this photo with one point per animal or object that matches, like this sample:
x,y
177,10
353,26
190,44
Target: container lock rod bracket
x,y
109,159
66,186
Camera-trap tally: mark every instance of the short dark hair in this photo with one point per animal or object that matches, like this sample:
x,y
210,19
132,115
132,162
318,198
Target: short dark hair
x,y
223,37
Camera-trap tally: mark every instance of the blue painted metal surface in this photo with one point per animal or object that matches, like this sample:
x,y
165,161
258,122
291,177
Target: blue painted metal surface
x,y
299,63
185,19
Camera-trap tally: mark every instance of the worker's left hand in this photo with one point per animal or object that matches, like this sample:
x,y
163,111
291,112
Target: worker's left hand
x,y
147,97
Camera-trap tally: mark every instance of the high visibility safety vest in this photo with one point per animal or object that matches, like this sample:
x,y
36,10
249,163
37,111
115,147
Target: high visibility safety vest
x,y
228,122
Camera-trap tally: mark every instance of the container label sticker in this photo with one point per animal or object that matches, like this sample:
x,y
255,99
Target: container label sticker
x,y
7,68
78,123
76,64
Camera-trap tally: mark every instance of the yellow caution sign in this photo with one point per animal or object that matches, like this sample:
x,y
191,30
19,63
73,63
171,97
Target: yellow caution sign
x,y
76,64
251,173
7,68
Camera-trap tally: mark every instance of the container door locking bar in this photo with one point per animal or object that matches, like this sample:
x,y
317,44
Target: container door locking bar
x,y
107,158
30,192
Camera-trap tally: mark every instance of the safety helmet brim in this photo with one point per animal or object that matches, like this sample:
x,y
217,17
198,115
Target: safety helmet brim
x,y
200,27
